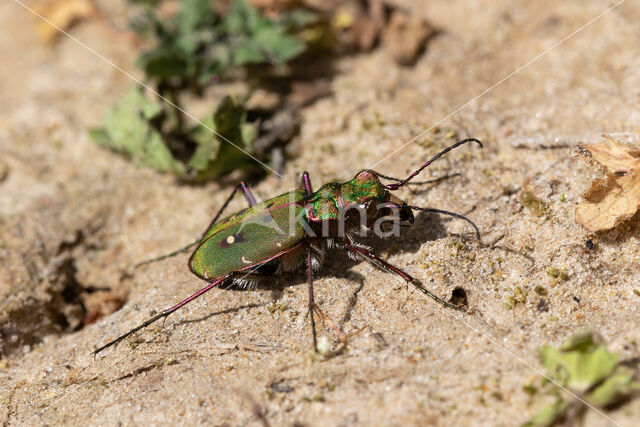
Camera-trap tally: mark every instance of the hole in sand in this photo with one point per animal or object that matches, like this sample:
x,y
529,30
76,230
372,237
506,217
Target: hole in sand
x,y
459,297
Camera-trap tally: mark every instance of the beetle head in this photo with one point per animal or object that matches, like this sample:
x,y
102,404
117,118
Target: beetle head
x,y
366,193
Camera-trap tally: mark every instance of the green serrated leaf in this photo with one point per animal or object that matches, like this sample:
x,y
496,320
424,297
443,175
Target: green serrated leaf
x,y
548,416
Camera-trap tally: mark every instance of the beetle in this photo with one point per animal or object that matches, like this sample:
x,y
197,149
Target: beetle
x,y
295,228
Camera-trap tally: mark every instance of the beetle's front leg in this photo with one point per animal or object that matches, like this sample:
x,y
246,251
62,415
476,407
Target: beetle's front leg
x,y
251,200
374,259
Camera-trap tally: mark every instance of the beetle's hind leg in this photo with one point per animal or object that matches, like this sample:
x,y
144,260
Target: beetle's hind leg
x,y
163,314
311,302
306,183
248,195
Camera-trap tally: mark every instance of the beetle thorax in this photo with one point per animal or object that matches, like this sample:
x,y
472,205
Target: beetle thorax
x,y
348,205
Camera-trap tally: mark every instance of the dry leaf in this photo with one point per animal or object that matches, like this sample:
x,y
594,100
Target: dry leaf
x,y
616,196
61,13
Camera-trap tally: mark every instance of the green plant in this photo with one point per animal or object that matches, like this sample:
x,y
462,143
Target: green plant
x,y
197,44
584,366
190,51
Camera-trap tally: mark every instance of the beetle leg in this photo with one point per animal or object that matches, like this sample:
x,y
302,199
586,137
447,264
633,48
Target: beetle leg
x,y
311,302
306,183
251,200
374,259
162,314
343,338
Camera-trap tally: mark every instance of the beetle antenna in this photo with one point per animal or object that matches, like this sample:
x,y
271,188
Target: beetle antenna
x,y
433,159
430,181
453,214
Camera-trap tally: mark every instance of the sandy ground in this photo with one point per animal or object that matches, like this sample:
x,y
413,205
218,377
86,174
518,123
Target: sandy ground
x,y
74,217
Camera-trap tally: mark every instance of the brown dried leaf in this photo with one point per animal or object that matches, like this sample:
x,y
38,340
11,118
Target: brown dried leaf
x,y
61,13
615,197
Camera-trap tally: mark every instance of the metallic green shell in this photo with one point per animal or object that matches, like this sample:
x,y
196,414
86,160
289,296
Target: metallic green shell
x,y
251,237
327,202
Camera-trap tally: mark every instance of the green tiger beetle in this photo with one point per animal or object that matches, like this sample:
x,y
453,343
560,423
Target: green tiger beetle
x,y
295,228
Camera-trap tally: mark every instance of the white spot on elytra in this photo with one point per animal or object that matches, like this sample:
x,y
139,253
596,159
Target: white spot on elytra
x,y
246,261
231,239
278,244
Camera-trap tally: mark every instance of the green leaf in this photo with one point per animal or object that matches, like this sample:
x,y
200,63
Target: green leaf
x,y
297,19
193,15
127,129
614,390
584,365
241,17
578,369
249,53
191,48
99,136
256,39
207,145
281,47
164,62
548,416
214,155
584,342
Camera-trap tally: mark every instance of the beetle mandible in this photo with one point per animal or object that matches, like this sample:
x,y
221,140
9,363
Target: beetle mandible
x,y
295,228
